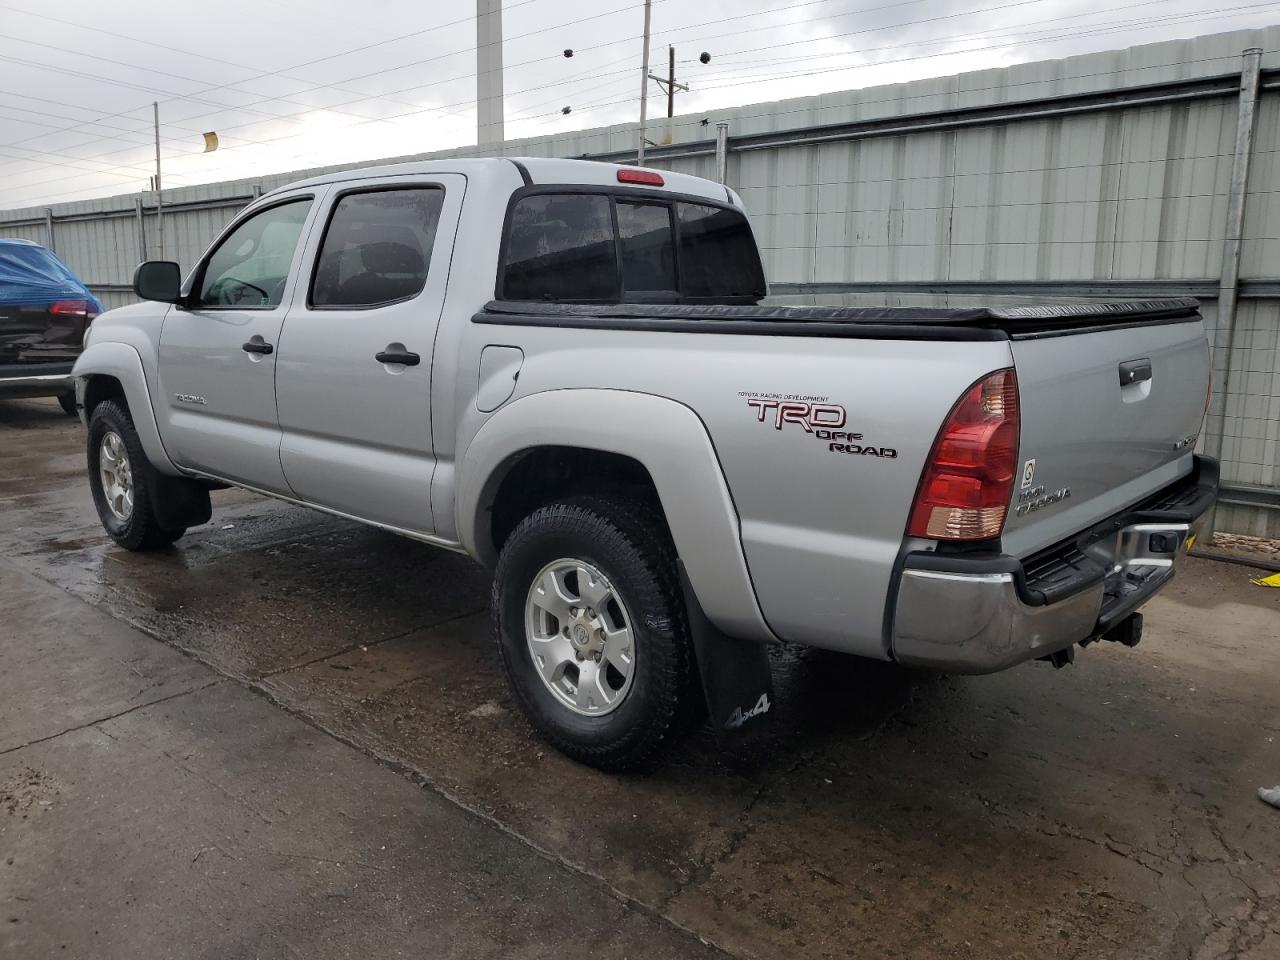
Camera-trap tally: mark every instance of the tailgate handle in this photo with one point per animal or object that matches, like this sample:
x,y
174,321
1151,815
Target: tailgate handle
x,y
1134,371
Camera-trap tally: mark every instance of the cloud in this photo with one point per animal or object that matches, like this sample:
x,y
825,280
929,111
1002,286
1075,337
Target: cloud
x,y
289,84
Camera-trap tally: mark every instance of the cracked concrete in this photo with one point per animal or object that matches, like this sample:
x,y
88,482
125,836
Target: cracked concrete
x,y
1100,811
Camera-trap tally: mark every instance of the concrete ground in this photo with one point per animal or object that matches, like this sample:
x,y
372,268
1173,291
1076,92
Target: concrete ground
x,y
289,736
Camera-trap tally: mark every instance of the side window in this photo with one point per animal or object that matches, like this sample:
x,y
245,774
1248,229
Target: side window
x,y
250,267
560,247
377,248
648,248
718,256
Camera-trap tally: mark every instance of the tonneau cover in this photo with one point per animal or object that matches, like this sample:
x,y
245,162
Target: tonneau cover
x,y
1012,318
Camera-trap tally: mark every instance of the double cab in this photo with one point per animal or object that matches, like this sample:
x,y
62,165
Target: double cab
x,y
570,371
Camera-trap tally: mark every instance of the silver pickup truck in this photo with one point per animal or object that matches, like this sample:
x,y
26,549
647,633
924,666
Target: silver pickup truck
x,y
565,370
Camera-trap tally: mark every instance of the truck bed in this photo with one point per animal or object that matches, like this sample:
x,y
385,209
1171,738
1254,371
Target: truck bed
x,y
933,318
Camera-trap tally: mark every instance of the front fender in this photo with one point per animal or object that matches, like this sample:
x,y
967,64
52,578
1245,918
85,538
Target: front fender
x,y
670,441
122,362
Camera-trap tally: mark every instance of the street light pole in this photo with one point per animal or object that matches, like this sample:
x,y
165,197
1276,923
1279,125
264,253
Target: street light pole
x,y
644,85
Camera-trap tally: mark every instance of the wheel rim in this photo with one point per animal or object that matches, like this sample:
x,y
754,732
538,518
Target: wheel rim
x,y
117,475
580,637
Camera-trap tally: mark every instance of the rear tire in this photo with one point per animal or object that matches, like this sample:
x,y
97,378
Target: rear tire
x,y
608,679
123,481
68,403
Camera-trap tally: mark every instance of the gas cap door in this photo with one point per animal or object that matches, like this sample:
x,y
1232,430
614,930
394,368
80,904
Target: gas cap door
x,y
499,368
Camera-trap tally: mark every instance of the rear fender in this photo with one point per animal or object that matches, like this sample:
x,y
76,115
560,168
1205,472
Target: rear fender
x,y
122,362
669,440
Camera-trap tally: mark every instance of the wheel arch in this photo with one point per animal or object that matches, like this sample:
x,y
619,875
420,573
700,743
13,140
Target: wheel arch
x,y
610,438
114,370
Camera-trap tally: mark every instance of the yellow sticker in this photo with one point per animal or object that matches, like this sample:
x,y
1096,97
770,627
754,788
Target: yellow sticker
x,y
1191,541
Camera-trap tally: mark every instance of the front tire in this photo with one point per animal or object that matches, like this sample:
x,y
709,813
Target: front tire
x,y
591,628
123,481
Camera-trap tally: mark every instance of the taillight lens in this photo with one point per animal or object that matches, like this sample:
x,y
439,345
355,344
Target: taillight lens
x,y
968,480
73,308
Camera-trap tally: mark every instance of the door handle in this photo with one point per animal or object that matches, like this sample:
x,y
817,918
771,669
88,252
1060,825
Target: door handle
x,y
1134,371
406,357
256,346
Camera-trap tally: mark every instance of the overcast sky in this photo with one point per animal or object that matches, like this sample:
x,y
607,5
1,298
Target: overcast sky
x,y
289,84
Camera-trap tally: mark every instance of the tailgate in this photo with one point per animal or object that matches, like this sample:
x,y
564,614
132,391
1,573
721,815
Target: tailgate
x,y
1108,417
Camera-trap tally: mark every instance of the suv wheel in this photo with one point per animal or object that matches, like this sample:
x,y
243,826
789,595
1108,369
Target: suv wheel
x,y
591,628
123,480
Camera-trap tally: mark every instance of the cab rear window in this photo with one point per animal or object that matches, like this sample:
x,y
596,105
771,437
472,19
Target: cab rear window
x,y
566,247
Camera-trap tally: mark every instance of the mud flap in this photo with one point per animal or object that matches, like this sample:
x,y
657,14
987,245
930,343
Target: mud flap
x,y
179,503
736,679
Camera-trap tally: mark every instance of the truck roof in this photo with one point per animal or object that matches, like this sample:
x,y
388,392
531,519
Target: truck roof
x,y
540,170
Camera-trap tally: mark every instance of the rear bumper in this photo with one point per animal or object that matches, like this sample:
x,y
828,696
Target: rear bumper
x,y
983,613
36,379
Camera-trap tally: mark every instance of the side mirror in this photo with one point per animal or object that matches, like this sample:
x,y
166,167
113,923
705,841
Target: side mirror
x,y
158,280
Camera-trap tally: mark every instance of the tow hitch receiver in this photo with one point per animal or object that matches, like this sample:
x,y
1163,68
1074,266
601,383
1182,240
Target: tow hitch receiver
x,y
1128,631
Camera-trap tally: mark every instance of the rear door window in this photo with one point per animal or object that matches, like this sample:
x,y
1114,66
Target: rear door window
x,y
376,248
561,247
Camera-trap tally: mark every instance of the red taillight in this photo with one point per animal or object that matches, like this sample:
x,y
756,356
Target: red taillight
x,y
647,177
968,479
73,308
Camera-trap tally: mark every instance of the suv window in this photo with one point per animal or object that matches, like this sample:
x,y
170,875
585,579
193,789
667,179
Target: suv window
x,y
249,268
606,248
377,248
560,247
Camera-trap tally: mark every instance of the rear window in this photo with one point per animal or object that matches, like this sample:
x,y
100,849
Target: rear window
x,y
560,247
603,248
647,244
718,255
31,261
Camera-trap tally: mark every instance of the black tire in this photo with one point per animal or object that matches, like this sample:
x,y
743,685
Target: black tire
x,y
629,543
68,403
141,531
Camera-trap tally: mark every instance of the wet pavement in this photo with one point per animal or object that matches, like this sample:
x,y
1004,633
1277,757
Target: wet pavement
x,y
1104,810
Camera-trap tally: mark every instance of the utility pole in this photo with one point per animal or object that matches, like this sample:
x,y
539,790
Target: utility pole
x,y
644,85
671,82
489,107
155,115
668,83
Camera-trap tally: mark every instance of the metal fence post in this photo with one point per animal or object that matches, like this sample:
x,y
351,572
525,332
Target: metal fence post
x,y
142,229
48,230
722,151
1225,332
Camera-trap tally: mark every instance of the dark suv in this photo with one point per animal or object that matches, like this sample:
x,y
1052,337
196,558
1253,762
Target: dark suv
x,y
44,312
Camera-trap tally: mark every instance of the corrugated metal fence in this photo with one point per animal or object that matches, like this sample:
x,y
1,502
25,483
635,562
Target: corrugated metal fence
x,y
1111,174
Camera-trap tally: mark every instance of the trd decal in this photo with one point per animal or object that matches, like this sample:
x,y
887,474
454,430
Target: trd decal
x,y
815,416
809,416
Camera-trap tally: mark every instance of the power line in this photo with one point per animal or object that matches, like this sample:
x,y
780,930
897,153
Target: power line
x,y
298,66
1135,25
743,81
170,96
899,3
